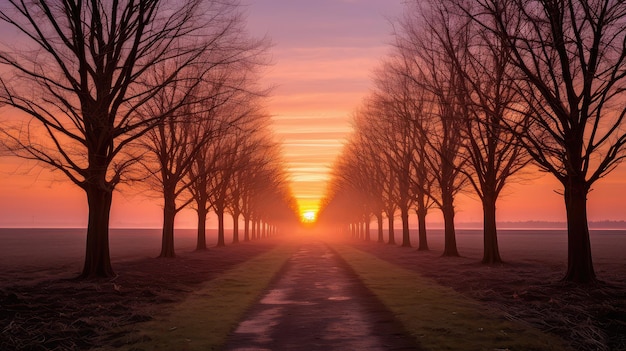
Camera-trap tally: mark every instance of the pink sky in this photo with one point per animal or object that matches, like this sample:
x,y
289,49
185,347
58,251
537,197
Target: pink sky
x,y
323,54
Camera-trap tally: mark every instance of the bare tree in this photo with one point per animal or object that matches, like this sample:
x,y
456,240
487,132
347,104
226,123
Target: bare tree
x,y
371,177
221,181
205,163
487,94
422,179
284,206
433,71
220,103
263,153
81,71
342,204
371,183
233,159
371,128
246,193
172,156
270,202
570,59
256,151
200,193
393,140
357,182
173,146
399,105
397,111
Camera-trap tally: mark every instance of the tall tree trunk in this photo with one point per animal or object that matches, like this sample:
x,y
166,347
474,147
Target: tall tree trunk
x,y
97,256
421,213
220,227
379,221
579,261
169,214
368,235
392,236
406,234
246,228
253,223
449,231
491,252
235,228
201,241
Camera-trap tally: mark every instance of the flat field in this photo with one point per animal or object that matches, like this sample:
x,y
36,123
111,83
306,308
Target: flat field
x,y
41,307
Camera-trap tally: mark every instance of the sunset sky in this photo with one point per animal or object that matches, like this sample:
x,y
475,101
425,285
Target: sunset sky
x,y
323,55
324,52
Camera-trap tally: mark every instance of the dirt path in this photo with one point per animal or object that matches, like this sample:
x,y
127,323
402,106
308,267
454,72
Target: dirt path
x,y
318,303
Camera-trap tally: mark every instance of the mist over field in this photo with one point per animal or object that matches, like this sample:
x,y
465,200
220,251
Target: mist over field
x,y
40,249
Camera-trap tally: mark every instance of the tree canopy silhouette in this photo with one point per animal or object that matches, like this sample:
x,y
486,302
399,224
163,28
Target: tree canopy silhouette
x,y
570,60
80,72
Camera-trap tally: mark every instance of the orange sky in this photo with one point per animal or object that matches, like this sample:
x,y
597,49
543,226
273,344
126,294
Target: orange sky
x,y
323,55
324,52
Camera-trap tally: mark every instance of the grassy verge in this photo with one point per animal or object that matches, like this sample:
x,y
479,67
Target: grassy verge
x,y
203,320
437,316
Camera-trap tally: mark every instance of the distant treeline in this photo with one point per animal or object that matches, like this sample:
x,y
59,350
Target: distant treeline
x,y
608,224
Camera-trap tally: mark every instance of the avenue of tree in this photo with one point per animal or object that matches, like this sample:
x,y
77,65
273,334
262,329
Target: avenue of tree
x,y
158,93
472,93
165,95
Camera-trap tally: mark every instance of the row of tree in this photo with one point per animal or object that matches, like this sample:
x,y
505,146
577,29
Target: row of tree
x,y
474,91
218,155
161,93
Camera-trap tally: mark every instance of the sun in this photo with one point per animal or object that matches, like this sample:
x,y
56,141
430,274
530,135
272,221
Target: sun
x,y
308,216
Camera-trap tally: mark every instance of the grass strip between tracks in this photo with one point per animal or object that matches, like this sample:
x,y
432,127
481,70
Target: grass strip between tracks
x,y
205,318
439,317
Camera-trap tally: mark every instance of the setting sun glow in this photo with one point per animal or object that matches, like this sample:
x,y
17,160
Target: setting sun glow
x,y
308,216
